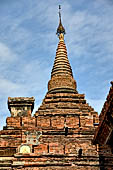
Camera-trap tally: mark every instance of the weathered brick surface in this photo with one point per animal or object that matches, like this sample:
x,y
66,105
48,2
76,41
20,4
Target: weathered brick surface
x,y
72,121
86,120
62,168
41,149
28,122
43,122
13,121
57,122
56,148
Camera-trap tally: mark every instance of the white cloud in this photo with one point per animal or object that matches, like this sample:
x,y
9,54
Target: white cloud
x,y
6,54
8,87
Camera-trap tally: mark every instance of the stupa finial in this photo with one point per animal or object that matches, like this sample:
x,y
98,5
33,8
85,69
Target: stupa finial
x,y
60,29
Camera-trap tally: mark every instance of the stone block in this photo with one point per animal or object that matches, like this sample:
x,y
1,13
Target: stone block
x,y
41,149
13,121
86,121
71,149
72,121
43,121
28,122
56,148
57,122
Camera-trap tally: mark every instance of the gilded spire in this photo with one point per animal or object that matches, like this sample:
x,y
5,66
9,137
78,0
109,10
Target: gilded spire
x,y
61,75
60,29
61,63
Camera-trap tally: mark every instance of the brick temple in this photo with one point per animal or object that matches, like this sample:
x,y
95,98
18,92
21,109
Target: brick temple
x,y
60,135
104,133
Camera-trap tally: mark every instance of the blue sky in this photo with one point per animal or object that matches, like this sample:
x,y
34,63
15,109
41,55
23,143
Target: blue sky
x,y
28,45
